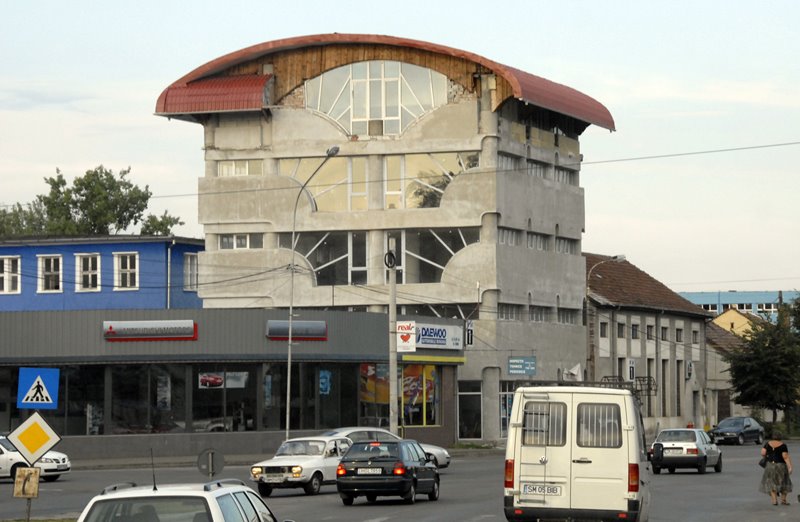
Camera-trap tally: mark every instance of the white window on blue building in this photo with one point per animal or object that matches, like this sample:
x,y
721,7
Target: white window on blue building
x,y
49,276
126,271
9,275
190,276
87,276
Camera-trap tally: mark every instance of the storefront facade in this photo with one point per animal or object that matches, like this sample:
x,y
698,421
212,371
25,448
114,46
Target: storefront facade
x,y
197,377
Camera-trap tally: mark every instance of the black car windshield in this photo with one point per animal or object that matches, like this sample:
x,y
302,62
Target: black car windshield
x,y
373,450
732,423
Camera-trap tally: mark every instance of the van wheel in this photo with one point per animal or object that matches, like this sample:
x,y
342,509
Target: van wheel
x,y
718,465
672,470
656,470
701,467
264,490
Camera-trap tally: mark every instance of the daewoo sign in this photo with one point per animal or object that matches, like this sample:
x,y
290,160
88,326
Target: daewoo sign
x,y
125,331
442,337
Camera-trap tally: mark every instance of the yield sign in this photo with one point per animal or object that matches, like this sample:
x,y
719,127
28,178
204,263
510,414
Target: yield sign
x,y
33,438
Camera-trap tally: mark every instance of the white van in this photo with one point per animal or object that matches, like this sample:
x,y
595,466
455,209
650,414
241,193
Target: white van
x,y
576,452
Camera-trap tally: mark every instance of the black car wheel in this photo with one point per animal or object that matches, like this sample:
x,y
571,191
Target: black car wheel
x,y
347,500
701,466
313,486
718,465
410,497
672,470
740,440
50,478
656,470
760,439
434,494
371,498
264,490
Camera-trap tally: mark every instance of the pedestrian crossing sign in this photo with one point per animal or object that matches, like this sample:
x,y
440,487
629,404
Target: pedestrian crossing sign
x,y
38,388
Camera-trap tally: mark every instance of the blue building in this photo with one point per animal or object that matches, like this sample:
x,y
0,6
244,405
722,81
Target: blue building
x,y
754,302
99,272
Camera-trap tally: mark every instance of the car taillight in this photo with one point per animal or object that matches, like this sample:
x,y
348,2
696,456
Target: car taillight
x,y
340,470
692,451
399,469
633,478
508,482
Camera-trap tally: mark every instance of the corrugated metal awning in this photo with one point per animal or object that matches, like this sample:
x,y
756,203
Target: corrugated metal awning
x,y
215,94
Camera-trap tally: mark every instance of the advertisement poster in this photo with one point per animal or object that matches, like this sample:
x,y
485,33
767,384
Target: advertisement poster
x,y
267,391
324,382
374,383
163,393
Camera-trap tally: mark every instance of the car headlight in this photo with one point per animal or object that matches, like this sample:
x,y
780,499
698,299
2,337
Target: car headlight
x,y
297,471
255,471
47,460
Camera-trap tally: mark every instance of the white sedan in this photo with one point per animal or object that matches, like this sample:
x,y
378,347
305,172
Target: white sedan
x,y
439,455
304,462
53,464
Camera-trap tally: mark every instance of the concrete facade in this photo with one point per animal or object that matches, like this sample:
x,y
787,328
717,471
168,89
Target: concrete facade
x,y
497,244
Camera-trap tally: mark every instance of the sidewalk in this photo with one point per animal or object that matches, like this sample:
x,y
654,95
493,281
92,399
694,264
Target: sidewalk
x,y
232,460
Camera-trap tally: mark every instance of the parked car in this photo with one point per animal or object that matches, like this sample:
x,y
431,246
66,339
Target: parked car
x,y
684,448
216,501
386,468
738,430
306,462
53,464
440,456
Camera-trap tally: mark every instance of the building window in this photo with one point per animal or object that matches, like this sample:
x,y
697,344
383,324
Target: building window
x,y
634,331
507,389
420,180
710,308
469,410
240,241
339,186
87,267
621,330
603,330
428,250
537,169
376,98
230,168
509,312
566,246
126,271
508,236
538,241
9,275
190,275
538,314
650,332
49,273
564,176
664,331
567,316
678,335
695,337
421,395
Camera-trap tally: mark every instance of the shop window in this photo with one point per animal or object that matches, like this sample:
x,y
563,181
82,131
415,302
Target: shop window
x,y
469,410
147,399
80,402
373,395
223,398
421,395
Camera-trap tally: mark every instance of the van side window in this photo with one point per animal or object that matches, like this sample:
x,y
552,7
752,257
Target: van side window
x,y
544,424
599,426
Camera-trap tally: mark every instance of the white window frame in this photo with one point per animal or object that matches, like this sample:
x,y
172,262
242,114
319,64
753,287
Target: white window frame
x,y
235,168
79,272
190,272
119,272
10,276
240,241
41,261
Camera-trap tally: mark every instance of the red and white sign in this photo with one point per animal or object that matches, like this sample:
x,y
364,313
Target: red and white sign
x,y
406,336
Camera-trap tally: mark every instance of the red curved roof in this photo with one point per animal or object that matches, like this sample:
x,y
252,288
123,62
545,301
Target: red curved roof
x,y
526,87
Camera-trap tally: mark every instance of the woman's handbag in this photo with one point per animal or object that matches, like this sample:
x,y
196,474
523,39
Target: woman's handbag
x,y
763,462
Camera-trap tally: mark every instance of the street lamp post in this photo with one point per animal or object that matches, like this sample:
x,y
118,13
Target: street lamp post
x,y
590,356
333,151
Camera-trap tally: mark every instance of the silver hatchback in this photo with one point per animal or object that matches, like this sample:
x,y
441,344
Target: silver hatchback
x,y
684,448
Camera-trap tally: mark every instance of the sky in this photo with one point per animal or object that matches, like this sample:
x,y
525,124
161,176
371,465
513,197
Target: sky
x,y
698,186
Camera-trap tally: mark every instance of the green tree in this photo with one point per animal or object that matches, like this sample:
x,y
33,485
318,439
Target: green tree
x,y
159,226
764,371
97,203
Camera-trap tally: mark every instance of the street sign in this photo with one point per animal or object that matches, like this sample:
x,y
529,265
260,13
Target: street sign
x,y
210,462
38,389
33,438
469,333
522,365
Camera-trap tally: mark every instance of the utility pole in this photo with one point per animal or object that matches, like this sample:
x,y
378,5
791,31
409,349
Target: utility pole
x,y
391,263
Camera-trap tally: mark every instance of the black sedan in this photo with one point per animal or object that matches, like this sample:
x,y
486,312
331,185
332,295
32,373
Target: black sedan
x,y
738,430
380,468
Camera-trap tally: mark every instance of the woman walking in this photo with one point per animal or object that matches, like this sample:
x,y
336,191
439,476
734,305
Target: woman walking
x,y
776,480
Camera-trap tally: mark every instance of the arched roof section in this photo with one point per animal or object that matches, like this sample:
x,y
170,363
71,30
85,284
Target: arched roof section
x,y
518,84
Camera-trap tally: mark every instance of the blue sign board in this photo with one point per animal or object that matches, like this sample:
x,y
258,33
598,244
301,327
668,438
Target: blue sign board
x,y
522,365
38,389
